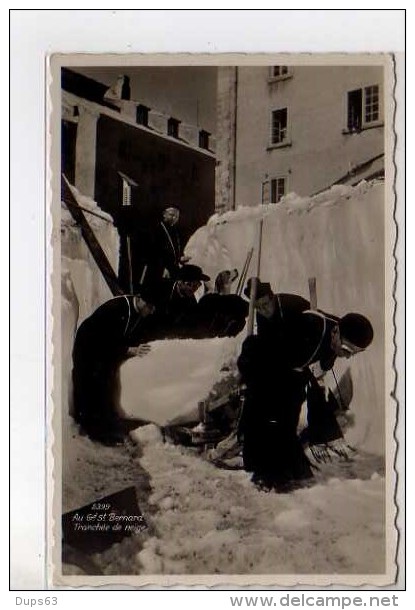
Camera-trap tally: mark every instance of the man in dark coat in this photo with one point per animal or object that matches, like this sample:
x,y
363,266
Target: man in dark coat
x,y
166,250
281,367
103,341
176,313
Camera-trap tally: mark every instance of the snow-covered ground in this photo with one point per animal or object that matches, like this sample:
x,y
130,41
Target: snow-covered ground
x,y
204,520
214,521
208,521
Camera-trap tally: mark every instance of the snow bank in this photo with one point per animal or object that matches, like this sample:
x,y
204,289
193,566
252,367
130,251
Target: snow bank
x,y
83,288
89,285
337,237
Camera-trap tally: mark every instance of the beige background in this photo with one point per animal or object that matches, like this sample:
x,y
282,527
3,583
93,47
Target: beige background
x,y
35,33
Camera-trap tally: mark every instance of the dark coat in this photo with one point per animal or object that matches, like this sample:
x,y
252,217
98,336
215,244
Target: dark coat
x,y
274,364
109,331
101,345
296,334
165,253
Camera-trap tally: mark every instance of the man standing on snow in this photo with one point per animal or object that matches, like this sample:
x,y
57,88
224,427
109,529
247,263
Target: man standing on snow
x,y
103,341
281,365
167,250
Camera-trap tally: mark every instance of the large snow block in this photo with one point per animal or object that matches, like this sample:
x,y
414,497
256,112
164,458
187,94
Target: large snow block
x,y
167,384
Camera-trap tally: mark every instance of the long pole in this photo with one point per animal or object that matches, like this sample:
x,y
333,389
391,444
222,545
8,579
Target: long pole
x,y
312,288
234,436
244,272
126,202
254,284
258,270
130,265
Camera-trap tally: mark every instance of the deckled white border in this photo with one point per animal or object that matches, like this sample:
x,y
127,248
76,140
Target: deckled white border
x,y
352,580
33,34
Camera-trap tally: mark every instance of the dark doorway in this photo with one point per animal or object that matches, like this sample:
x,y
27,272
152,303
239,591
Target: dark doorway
x,y
354,110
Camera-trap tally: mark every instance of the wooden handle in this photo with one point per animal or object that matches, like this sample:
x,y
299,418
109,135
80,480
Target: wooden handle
x,y
312,289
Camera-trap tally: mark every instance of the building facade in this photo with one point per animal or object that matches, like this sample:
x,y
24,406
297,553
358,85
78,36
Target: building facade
x,y
299,129
134,160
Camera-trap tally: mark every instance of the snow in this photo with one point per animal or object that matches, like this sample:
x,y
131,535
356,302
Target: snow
x,y
214,521
336,237
204,520
83,288
182,373
88,284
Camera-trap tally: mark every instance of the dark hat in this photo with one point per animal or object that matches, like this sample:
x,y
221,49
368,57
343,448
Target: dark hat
x,y
191,273
357,329
262,288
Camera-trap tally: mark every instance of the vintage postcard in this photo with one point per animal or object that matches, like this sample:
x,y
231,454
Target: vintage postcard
x,y
222,407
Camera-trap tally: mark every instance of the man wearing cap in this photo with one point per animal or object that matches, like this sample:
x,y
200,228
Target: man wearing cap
x,y
114,332
281,366
177,303
180,315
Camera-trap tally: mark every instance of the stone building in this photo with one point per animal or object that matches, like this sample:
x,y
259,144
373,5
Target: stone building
x,y
299,129
120,151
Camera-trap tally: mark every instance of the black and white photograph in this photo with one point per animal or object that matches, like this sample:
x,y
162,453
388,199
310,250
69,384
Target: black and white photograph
x,y
223,329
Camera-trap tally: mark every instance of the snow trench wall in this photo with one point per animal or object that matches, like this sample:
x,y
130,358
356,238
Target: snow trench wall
x,y
83,288
337,237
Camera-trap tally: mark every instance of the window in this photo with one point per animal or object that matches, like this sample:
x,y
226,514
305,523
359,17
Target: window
x,y
277,71
173,128
126,89
204,139
371,104
142,115
278,188
354,110
279,126
363,108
